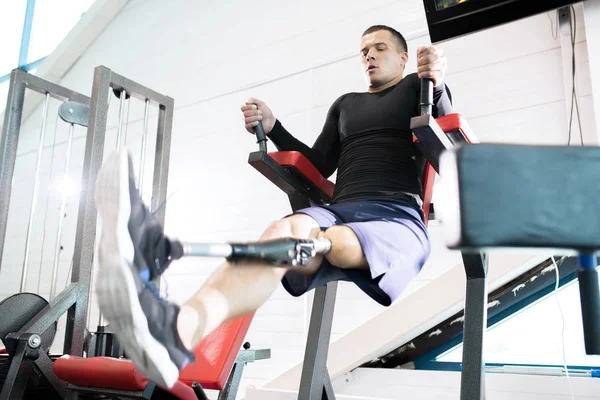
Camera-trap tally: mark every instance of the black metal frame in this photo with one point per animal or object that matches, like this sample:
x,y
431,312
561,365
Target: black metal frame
x,y
315,382
472,381
75,298
433,142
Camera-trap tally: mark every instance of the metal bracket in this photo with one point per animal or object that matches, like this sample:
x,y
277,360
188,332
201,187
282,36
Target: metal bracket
x,y
74,113
432,139
229,391
564,20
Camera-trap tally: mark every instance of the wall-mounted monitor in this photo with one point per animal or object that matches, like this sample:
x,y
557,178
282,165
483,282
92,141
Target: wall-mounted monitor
x,y
448,19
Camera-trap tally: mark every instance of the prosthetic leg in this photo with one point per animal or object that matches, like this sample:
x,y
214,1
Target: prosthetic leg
x,y
280,252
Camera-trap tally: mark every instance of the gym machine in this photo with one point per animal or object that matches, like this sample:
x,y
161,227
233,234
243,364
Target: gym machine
x,y
29,322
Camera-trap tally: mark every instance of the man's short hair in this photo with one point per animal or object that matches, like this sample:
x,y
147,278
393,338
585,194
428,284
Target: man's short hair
x,y
400,41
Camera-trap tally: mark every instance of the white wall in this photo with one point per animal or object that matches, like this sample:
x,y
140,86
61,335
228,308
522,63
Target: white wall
x,y
210,56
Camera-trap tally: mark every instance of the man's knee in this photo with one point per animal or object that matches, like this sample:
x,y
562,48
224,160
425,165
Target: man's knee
x,y
277,229
346,251
299,226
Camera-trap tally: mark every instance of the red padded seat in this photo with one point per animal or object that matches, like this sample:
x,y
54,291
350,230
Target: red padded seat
x,y
215,357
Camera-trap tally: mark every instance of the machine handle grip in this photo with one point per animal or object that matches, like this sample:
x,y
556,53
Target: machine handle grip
x,y
426,96
589,293
261,138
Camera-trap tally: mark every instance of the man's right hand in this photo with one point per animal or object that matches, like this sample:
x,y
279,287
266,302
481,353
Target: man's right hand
x,y
255,110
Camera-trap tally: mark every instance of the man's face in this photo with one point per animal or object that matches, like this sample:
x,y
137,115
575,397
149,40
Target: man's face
x,y
382,60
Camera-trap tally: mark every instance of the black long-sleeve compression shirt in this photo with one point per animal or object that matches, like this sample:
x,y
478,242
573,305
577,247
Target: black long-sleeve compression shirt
x,y
367,138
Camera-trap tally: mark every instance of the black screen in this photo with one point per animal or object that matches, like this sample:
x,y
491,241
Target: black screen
x,y
447,19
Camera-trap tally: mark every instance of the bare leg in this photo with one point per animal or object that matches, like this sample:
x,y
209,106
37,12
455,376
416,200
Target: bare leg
x,y
234,290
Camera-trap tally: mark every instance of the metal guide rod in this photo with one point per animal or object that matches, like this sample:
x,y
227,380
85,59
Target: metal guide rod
x,y
121,116
41,263
61,218
144,142
128,100
35,193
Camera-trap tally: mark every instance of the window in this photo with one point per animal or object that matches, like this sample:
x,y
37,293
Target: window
x,y
533,336
52,21
12,14
31,30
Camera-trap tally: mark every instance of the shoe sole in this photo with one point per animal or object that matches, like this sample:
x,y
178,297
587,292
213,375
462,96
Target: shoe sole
x,y
116,283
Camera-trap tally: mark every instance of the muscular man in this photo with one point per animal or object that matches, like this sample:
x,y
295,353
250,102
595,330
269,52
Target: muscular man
x,y
375,222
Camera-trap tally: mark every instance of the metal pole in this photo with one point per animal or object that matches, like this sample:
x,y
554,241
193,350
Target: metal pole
x,y
144,142
207,249
121,139
83,253
61,217
161,158
315,382
35,193
472,386
8,146
121,112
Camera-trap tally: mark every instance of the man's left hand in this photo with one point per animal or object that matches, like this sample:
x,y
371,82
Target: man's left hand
x,y
431,64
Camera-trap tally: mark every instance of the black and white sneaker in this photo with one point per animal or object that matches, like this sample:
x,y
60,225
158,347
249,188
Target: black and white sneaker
x,y
116,193
132,250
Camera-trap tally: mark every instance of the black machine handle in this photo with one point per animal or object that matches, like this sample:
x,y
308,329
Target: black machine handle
x,y
589,293
426,96
261,138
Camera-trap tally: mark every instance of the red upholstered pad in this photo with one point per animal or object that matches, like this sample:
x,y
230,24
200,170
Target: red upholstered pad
x,y
453,122
216,354
301,163
110,373
103,372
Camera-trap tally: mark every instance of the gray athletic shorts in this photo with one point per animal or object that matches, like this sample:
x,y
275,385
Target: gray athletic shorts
x,y
394,240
